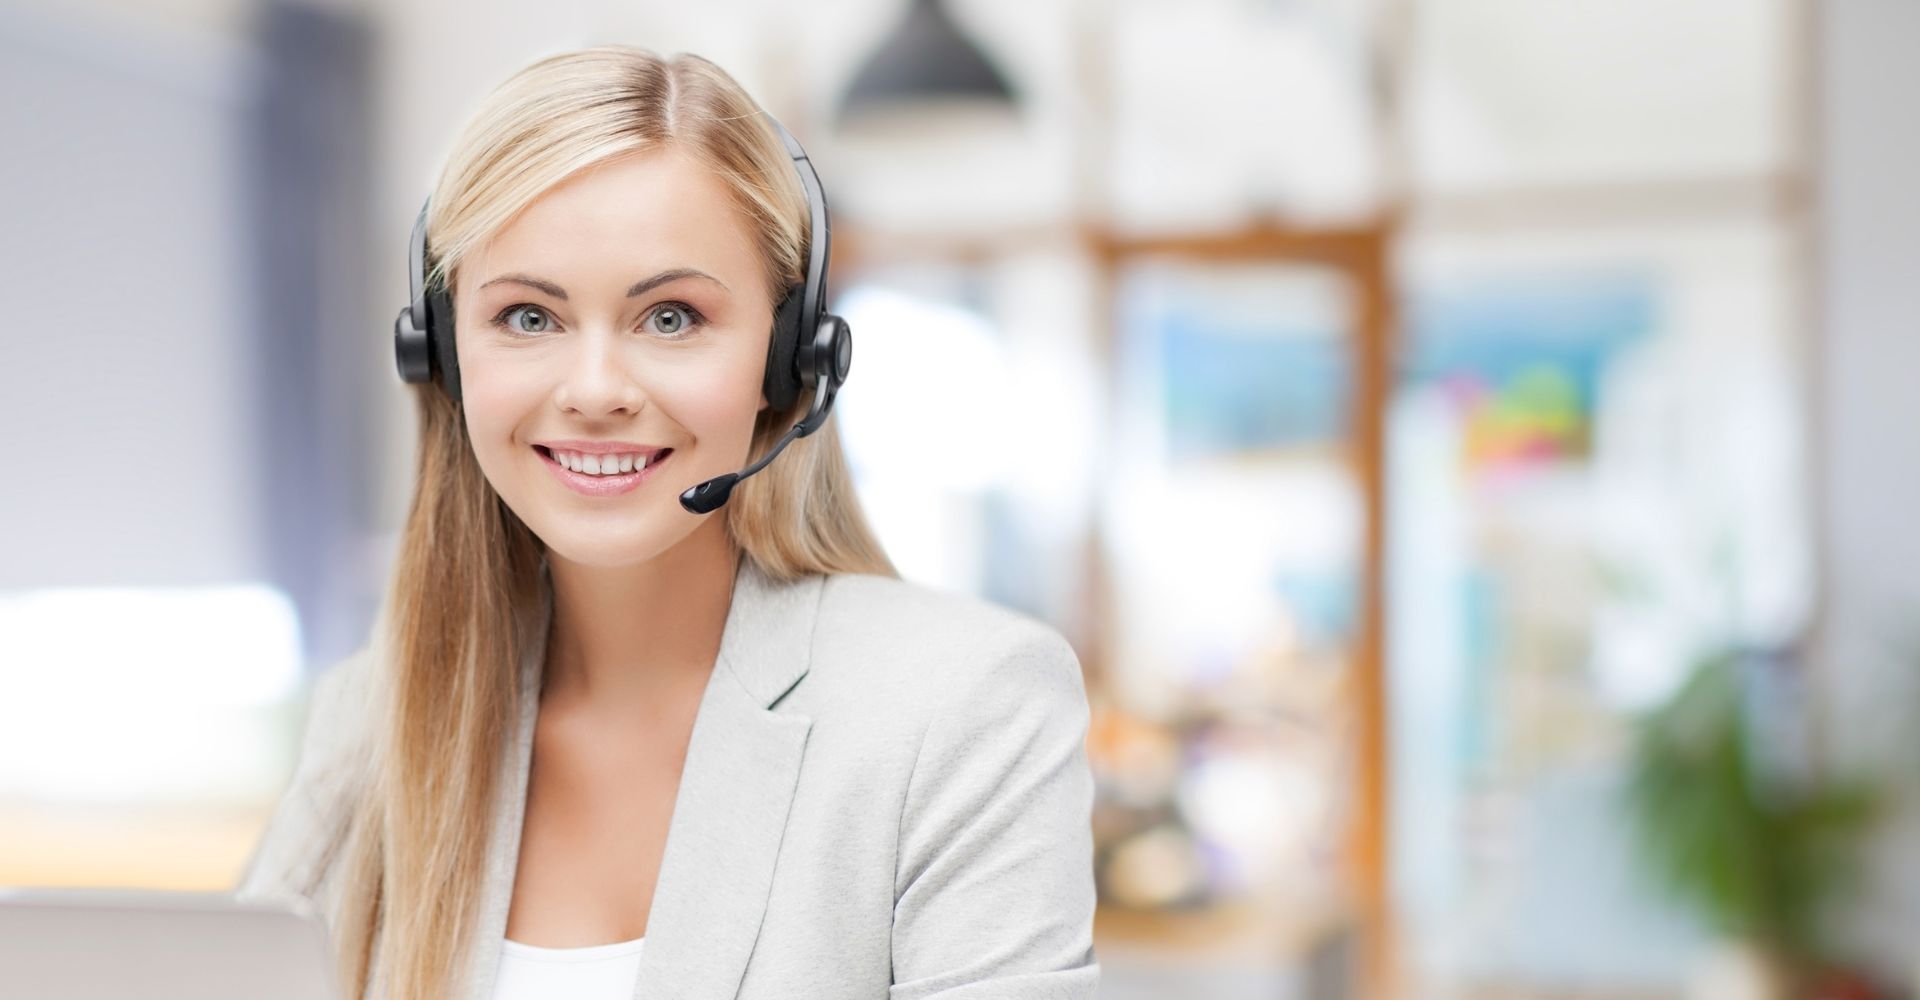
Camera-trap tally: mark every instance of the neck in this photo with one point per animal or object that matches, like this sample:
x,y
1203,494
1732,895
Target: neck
x,y
636,638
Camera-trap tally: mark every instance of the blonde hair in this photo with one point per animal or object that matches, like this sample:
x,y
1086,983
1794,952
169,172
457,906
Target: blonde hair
x,y
456,622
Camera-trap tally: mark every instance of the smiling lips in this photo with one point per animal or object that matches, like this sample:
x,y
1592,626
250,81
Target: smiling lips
x,y
604,474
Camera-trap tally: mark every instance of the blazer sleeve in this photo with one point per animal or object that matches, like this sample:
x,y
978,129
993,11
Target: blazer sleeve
x,y
994,893
293,847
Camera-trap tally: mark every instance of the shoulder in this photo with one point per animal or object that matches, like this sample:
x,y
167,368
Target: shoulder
x,y
339,714
310,812
875,616
917,649
892,610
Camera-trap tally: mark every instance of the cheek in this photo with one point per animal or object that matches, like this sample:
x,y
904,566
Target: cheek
x,y
710,401
706,402
493,400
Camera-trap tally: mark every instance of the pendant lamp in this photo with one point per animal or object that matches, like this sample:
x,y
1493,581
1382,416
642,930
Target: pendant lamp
x,y
925,58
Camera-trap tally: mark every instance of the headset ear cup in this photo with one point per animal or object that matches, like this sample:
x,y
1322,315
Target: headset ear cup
x,y
782,381
840,362
410,348
440,319
832,361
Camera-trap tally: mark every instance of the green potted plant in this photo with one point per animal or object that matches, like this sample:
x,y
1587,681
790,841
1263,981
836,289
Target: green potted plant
x,y
1757,852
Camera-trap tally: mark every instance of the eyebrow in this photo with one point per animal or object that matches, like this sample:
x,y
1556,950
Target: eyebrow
x,y
640,287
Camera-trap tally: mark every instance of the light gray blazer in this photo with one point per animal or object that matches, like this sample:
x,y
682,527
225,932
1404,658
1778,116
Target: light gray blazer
x,y
885,794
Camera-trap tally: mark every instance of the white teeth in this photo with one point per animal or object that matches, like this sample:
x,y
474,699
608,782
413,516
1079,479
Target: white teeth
x,y
600,465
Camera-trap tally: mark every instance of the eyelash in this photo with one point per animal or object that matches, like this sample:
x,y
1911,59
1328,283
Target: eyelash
x,y
694,317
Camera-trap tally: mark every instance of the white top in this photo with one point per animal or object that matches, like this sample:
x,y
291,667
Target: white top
x,y
595,972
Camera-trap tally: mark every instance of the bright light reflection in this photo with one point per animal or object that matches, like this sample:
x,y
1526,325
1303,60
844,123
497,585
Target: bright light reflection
x,y
125,693
940,374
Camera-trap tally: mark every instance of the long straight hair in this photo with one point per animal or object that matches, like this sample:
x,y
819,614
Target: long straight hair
x,y
456,621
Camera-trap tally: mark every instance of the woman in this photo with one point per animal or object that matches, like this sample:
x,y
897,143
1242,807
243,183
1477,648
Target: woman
x,y
601,745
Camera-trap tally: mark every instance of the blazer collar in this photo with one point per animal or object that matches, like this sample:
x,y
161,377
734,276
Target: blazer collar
x,y
738,780
769,631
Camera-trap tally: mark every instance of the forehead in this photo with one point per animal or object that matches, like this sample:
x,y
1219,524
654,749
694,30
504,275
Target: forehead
x,y
622,220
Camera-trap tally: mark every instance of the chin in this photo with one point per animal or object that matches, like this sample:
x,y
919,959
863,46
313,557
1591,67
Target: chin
x,y
583,549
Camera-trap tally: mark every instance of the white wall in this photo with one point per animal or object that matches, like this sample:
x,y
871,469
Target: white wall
x,y
1869,408
124,388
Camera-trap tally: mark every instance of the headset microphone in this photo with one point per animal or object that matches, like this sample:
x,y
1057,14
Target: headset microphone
x,y
809,348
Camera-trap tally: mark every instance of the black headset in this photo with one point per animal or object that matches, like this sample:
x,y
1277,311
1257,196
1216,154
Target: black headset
x,y
810,347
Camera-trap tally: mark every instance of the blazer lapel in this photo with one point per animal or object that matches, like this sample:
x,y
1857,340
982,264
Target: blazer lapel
x,y
742,766
743,762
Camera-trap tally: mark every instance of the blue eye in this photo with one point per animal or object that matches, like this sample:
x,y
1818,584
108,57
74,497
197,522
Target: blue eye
x,y
544,323
685,315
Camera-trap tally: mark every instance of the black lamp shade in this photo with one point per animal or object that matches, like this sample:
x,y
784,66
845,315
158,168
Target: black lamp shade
x,y
925,57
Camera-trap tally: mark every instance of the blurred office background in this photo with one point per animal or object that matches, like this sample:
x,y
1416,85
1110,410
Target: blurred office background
x,y
1472,444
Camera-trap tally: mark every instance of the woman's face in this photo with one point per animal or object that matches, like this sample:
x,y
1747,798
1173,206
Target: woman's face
x,y
625,307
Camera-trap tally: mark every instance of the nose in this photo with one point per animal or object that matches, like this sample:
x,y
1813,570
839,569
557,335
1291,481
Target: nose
x,y
596,380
